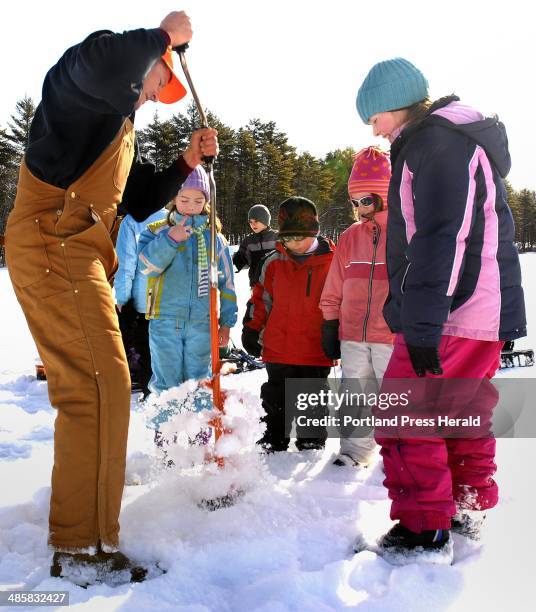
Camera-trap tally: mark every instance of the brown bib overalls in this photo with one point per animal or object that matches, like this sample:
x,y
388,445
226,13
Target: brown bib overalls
x,y
60,258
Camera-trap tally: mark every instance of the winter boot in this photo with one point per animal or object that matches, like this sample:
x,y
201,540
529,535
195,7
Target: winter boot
x,y
303,444
342,459
401,537
269,444
84,569
468,523
400,546
269,448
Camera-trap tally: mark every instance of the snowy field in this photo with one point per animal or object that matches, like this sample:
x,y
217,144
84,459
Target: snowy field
x,y
286,545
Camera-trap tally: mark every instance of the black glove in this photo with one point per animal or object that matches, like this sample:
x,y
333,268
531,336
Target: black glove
x,y
127,316
250,341
424,359
331,345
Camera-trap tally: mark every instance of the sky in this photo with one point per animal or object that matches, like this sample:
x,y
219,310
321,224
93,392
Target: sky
x,y
300,63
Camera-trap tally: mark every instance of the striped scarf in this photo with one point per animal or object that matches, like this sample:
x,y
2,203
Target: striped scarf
x,y
202,260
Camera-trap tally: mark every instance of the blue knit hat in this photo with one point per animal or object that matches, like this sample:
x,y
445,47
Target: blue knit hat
x,y
198,179
390,85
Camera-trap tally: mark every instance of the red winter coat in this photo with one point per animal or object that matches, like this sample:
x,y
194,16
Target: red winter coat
x,y
357,286
285,306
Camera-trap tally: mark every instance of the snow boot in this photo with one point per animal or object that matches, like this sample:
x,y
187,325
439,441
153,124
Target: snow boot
x,y
270,445
342,459
468,523
269,448
400,546
303,444
84,569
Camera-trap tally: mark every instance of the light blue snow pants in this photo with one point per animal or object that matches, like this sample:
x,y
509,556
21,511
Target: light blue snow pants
x,y
180,351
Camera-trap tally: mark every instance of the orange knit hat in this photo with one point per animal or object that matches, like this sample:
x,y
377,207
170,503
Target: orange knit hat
x,y
371,173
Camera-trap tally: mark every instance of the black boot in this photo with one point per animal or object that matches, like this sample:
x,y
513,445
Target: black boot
x,y
343,460
401,537
273,445
400,546
84,569
303,444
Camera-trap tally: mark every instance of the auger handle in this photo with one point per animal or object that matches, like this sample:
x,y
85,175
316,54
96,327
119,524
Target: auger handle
x,y
181,49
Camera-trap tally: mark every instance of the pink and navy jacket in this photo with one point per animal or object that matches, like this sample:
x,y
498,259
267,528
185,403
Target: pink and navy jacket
x,y
356,286
453,267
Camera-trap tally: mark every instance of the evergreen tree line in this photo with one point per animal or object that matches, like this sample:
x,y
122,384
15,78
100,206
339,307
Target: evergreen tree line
x,y
256,165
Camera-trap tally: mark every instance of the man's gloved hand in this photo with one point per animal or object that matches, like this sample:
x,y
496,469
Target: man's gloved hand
x,y
424,359
331,344
250,341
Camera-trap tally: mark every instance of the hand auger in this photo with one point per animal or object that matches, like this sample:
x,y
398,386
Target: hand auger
x,y
204,122
213,271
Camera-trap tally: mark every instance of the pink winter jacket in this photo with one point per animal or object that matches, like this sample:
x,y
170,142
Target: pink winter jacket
x,y
356,287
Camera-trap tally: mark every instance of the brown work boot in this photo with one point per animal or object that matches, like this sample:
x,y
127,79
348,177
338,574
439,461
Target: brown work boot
x,y
84,569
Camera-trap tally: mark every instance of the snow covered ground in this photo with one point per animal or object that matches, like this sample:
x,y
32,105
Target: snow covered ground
x,y
286,545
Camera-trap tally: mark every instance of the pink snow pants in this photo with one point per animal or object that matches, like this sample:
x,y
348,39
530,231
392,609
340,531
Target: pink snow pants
x,y
428,478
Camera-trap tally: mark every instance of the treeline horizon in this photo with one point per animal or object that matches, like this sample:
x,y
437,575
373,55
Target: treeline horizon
x,y
257,165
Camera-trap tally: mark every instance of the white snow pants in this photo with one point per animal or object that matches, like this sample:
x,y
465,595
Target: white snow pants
x,y
366,361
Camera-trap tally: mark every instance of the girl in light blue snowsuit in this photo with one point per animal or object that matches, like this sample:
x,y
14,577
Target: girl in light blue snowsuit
x,y
174,256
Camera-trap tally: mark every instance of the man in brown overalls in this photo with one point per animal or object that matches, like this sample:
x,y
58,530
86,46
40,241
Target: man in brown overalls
x,y
78,167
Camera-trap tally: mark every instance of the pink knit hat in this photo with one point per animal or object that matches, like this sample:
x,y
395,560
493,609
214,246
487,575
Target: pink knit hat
x,y
371,173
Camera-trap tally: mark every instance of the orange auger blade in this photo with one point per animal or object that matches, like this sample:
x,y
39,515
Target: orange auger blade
x,y
217,395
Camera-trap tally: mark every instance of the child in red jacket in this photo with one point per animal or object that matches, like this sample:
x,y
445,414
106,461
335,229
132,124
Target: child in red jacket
x,y
284,321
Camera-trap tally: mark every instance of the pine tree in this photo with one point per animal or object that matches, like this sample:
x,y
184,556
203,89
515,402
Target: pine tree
x,y
182,131
513,203
275,162
276,171
247,179
9,162
313,180
527,225
21,123
339,163
225,172
158,142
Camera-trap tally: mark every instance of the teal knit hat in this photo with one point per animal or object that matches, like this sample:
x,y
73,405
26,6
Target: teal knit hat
x,y
390,85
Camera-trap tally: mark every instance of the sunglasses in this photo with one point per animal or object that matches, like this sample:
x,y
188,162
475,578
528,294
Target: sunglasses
x,y
284,239
369,200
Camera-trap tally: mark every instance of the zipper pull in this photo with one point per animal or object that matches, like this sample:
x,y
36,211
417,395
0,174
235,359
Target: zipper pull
x,y
309,275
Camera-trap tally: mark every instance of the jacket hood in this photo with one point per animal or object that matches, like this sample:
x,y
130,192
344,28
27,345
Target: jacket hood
x,y
488,132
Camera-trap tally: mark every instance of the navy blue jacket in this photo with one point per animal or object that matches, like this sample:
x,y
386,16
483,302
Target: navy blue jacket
x,y
452,264
86,98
